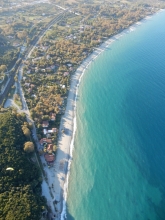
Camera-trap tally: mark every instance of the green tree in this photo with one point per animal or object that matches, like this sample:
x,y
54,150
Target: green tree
x,y
20,189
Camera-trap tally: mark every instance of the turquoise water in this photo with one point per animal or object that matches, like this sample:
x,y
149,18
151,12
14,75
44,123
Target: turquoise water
x,y
118,168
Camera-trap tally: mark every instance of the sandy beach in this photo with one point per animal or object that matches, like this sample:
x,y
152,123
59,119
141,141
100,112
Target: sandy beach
x,y
66,139
58,175
56,178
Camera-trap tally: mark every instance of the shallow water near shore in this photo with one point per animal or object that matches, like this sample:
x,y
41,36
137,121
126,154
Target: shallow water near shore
x,y
118,168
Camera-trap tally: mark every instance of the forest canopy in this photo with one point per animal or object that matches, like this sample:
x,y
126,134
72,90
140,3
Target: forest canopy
x,y
20,186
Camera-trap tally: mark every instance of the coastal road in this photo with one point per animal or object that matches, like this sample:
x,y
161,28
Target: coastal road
x,y
42,33
25,106
50,194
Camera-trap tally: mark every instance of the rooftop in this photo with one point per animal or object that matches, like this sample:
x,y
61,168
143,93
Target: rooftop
x,y
49,157
45,124
45,140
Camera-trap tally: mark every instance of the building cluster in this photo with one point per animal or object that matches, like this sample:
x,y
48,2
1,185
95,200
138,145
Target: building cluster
x,y
46,144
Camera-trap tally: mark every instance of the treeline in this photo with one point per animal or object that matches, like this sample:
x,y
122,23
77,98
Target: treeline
x,y
20,179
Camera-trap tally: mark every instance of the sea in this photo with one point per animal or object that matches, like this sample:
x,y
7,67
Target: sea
x,y
118,166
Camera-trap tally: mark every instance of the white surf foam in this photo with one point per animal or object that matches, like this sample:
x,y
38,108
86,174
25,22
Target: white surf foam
x,y
85,64
63,214
88,60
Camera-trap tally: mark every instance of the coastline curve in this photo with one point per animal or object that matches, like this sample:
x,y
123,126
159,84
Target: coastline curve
x,y
68,121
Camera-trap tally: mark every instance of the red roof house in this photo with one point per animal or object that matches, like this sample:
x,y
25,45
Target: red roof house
x,y
50,147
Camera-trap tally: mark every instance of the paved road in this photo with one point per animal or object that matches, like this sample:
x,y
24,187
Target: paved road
x,y
19,88
28,54
20,73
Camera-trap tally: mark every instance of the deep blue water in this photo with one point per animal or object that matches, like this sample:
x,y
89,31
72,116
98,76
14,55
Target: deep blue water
x,y
118,168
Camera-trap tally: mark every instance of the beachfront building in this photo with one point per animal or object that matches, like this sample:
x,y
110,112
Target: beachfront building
x,y
45,141
53,130
45,131
47,148
50,148
49,155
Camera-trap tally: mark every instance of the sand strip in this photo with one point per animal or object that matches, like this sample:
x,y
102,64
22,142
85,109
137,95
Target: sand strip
x,y
60,171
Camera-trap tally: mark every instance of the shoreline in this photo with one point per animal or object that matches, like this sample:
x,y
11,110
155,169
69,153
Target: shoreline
x,y
68,123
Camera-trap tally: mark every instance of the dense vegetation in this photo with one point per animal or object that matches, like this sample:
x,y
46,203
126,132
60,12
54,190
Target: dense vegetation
x,y
20,26
65,45
46,81
20,180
